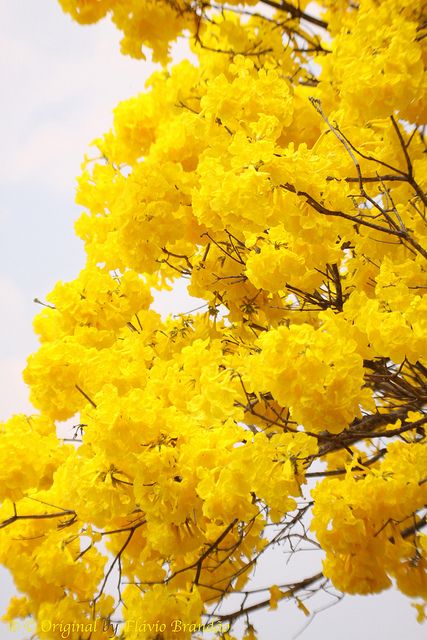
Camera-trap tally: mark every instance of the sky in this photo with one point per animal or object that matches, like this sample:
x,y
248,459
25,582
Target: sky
x,y
60,83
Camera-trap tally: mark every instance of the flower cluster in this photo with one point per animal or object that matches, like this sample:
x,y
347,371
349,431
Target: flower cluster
x,y
283,176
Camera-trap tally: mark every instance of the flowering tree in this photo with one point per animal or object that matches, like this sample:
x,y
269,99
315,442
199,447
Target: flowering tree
x,y
283,175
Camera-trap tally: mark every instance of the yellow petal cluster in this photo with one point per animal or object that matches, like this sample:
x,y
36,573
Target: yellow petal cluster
x,y
281,174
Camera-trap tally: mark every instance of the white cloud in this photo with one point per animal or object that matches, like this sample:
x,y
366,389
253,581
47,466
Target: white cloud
x,y
13,306
55,106
177,301
14,394
17,341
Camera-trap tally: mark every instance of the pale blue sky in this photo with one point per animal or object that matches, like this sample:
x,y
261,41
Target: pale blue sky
x,y
59,84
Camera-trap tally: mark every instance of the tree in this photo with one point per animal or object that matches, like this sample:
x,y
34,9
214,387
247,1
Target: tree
x,y
284,177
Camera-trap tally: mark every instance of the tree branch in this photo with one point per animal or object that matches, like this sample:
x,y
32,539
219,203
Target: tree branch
x,y
295,12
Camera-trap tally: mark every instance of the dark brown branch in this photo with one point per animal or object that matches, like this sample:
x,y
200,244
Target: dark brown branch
x,y
420,193
317,206
80,390
291,589
386,178
409,531
37,516
111,567
295,12
341,471
198,563
404,147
